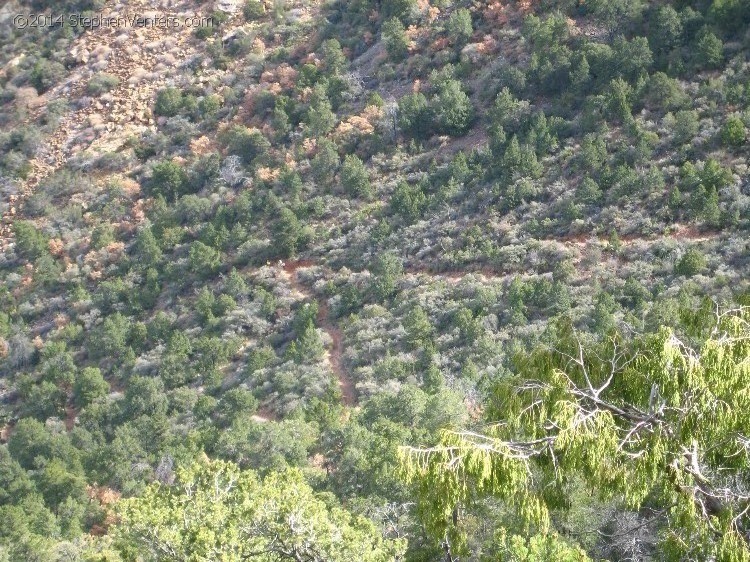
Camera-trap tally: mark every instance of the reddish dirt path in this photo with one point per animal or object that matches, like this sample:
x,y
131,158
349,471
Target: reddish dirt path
x,y
680,231
336,352
453,275
70,417
265,414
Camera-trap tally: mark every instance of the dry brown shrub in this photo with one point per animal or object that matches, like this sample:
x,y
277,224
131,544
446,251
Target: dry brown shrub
x,y
268,174
61,320
56,247
130,187
115,248
439,44
200,146
27,98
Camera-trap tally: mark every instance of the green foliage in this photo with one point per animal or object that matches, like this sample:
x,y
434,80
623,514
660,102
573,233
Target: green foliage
x,y
320,118
616,13
31,444
57,483
102,235
691,263
686,126
419,331
508,113
387,271
101,83
709,50
253,9
169,179
395,39
205,515
730,14
209,105
203,260
519,161
158,268
414,115
235,284
733,132
588,192
45,74
618,100
459,26
333,57
452,110
632,427
401,9
665,30
355,178
168,102
326,162
409,201
145,396
237,403
308,347
147,247
31,244
89,386
538,548
248,144
551,57
468,325
615,243
288,233
664,92
593,153
111,339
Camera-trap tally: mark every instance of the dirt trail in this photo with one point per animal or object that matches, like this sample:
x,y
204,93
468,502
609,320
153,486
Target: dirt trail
x,y
334,355
679,231
336,352
70,417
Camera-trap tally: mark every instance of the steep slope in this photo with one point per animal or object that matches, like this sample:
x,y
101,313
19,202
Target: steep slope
x,y
315,231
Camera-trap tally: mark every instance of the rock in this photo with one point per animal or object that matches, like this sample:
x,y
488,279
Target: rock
x,y
229,6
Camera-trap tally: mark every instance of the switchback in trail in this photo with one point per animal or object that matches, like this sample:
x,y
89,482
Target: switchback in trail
x,y
335,355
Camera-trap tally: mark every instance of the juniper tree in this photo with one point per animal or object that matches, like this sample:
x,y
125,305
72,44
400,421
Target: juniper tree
x,y
414,115
395,39
31,243
452,110
216,511
651,419
419,330
326,162
320,117
459,27
733,132
354,177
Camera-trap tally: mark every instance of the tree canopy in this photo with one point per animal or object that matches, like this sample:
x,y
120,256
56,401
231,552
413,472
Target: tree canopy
x,y
215,511
654,420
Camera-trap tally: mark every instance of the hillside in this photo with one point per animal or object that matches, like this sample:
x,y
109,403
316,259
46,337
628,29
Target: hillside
x,y
274,242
